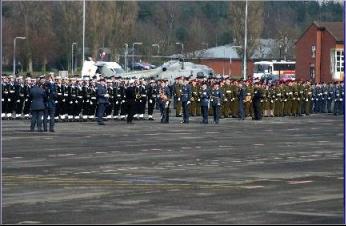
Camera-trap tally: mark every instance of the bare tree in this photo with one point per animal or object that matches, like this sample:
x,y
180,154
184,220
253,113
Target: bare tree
x,y
110,24
68,27
255,25
34,21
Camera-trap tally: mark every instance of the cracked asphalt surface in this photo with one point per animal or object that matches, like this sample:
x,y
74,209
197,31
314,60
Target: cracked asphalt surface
x,y
278,170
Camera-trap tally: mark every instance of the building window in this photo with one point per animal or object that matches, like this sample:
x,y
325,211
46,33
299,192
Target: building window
x,y
337,63
313,51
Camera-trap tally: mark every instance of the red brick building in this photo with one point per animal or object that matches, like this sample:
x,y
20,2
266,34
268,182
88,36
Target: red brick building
x,y
232,68
224,60
320,52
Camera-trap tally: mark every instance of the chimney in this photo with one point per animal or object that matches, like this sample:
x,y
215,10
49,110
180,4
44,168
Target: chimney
x,y
318,53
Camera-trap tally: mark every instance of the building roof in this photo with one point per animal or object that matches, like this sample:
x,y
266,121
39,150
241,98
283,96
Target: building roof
x,y
334,28
226,51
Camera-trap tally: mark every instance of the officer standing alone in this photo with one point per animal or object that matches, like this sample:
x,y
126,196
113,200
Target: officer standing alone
x,y
37,96
102,101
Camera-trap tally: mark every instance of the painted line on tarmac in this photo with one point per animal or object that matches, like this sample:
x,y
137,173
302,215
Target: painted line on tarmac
x,y
29,222
306,213
300,182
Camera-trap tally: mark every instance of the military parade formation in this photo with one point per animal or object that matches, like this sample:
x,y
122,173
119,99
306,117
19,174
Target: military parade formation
x,y
76,99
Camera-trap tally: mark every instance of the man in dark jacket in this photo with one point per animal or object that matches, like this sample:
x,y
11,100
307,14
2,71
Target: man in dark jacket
x,y
102,101
216,96
49,112
186,94
130,94
152,96
205,98
256,101
241,96
37,96
164,101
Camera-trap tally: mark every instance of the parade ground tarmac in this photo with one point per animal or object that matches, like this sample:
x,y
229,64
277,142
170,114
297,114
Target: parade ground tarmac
x,y
274,171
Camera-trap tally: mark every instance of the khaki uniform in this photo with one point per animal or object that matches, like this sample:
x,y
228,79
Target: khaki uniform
x,y
265,102
194,98
278,105
288,98
272,98
226,106
307,99
295,100
301,98
248,101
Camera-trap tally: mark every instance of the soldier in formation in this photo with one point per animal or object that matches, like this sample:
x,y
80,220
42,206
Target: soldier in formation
x,y
75,99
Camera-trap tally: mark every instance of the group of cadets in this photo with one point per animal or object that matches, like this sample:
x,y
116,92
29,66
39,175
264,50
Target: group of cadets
x,y
241,99
76,99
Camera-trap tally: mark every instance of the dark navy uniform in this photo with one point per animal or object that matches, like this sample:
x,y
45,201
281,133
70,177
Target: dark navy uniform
x,y
338,100
152,96
324,98
85,102
26,110
92,102
204,97
330,98
78,102
64,99
49,111
216,97
116,100
71,100
123,112
256,101
4,99
142,92
11,104
102,102
130,94
164,102
109,108
59,111
241,96
37,96
19,97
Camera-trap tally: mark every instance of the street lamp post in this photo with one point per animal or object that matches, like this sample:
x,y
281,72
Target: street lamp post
x,y
182,52
126,52
280,60
83,31
133,51
14,53
74,43
245,41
